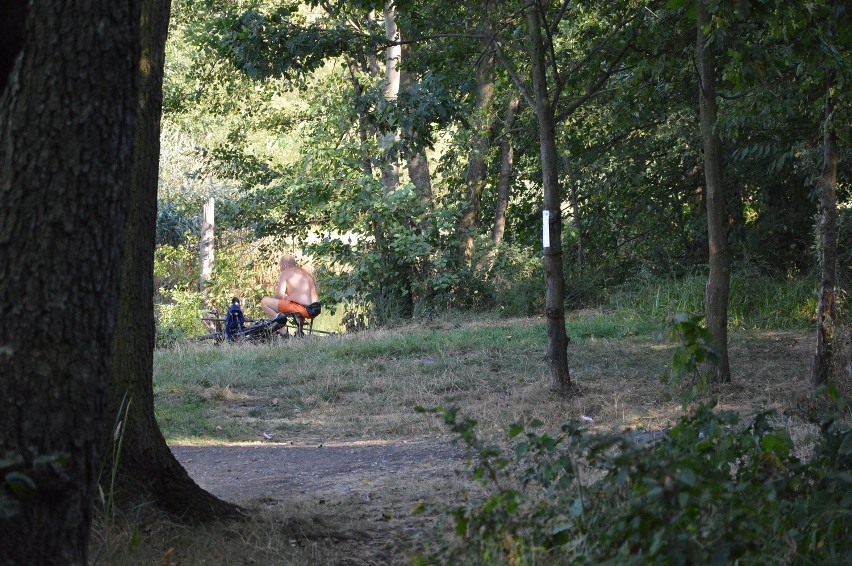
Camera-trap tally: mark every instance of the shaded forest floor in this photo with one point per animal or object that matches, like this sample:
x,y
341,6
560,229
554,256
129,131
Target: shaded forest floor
x,y
336,467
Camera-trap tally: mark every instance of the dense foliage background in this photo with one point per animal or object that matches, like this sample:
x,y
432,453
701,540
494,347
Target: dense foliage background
x,y
280,111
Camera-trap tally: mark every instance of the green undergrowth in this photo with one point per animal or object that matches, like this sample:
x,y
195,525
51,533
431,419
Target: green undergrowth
x,y
709,491
755,302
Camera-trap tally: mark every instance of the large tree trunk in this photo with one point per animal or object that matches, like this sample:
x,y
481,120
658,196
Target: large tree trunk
x,y
67,113
147,469
477,167
719,281
823,356
557,339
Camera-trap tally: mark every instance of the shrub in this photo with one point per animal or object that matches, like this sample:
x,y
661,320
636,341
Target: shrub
x,y
180,317
709,491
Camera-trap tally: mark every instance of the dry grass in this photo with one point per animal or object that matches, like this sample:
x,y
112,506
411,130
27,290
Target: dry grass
x,y
367,385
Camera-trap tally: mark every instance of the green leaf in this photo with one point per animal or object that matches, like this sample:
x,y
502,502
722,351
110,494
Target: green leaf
x,y
515,430
21,485
687,477
778,442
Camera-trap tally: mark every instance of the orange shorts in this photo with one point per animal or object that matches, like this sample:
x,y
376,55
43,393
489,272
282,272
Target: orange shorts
x,y
292,306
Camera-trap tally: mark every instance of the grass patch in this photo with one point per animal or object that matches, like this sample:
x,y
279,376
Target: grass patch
x,y
755,302
367,384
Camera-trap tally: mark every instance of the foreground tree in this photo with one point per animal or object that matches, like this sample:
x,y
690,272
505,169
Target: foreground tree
x,y
67,109
147,471
823,362
823,355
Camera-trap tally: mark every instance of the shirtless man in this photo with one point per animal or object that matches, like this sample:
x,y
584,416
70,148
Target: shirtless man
x,y
296,293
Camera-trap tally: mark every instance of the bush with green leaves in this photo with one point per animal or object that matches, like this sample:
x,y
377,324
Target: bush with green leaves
x,y
180,317
707,491
694,349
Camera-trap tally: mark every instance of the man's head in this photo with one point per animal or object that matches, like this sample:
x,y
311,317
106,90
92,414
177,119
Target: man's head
x,y
287,262
235,301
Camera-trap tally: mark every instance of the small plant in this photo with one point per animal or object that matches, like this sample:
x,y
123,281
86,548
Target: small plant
x,y
694,348
104,526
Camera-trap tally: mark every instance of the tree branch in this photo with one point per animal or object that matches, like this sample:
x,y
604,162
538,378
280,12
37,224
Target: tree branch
x,y
595,89
516,79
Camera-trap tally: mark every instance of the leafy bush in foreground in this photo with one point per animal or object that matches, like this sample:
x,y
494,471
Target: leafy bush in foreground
x,y
707,492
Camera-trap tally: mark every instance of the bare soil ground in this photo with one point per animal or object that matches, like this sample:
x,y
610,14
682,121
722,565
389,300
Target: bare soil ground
x,y
356,496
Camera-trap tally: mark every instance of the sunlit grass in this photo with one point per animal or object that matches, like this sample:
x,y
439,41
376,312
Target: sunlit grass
x,y
755,302
367,385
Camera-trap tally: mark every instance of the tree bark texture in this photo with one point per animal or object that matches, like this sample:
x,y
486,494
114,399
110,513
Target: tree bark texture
x,y
557,338
207,241
477,167
416,161
823,356
390,137
147,469
66,144
719,282
507,173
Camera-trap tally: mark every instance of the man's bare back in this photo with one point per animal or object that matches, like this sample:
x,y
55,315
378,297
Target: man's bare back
x,y
295,285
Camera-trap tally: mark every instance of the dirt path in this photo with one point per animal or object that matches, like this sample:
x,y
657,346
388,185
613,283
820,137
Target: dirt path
x,y
244,472
355,498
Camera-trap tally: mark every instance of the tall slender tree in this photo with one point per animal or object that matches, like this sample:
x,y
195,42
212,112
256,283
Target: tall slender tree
x,y
507,172
823,361
476,175
67,117
389,138
719,280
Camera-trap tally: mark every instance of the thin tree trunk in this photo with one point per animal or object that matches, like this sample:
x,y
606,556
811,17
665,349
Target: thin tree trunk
x,y
504,186
477,168
827,182
147,469
719,281
207,239
557,339
67,113
390,138
416,161
507,172
364,130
